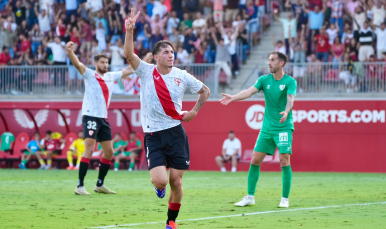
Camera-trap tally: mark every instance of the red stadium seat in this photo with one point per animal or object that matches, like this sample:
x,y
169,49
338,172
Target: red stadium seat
x,y
141,159
331,76
247,156
222,78
123,136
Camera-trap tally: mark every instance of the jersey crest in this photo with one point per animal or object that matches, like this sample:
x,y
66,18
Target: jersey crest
x,y
177,81
282,87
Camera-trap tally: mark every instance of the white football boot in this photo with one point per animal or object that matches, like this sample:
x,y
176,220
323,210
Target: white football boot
x,y
81,191
246,201
284,203
103,189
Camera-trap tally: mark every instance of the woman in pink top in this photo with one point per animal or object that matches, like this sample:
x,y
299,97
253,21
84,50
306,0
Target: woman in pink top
x,y
337,49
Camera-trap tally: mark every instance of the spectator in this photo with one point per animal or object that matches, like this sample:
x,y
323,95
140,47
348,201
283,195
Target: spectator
x,y
316,21
239,20
314,72
232,10
322,46
173,22
253,24
366,43
299,60
182,56
117,56
353,49
159,9
82,11
279,46
25,44
73,74
337,14
4,58
381,39
102,20
10,39
230,38
32,18
156,37
149,7
332,33
43,18
71,8
100,36
173,37
192,5
199,58
286,22
222,55
189,40
40,56
372,74
347,34
218,10
346,73
33,148
85,34
186,23
231,151
94,6
23,28
51,146
18,10
379,13
156,23
115,26
208,8
36,36
95,49
131,149
359,17
199,23
9,21
297,9
243,37
76,149
75,35
60,30
337,50
351,5
58,49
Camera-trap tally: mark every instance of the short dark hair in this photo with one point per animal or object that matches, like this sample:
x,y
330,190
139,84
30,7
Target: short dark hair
x,y
97,57
384,53
49,132
133,132
161,44
231,132
281,56
372,55
4,48
80,131
37,132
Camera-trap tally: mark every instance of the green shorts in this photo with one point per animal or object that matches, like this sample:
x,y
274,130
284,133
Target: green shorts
x,y
28,152
269,140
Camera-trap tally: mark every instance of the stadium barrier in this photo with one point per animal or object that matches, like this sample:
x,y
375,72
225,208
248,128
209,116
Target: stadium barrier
x,y
330,78
330,135
45,80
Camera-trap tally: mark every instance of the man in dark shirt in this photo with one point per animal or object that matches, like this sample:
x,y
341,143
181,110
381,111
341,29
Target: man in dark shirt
x,y
156,37
366,41
32,17
189,40
232,10
297,8
18,10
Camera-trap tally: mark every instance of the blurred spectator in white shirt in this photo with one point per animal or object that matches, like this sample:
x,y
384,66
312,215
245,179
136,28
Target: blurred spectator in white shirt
x,y
231,151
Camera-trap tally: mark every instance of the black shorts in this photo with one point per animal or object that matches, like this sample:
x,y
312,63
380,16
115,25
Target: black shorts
x,y
96,128
226,160
168,147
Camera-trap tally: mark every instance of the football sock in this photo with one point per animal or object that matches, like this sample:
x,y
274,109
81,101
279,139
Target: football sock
x,y
41,161
78,160
69,158
287,177
70,164
253,177
24,162
84,163
49,161
234,169
104,167
131,166
173,210
116,165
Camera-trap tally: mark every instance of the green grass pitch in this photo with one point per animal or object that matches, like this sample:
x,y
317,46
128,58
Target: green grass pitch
x,y
46,199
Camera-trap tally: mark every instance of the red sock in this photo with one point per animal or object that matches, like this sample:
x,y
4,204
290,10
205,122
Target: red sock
x,y
174,209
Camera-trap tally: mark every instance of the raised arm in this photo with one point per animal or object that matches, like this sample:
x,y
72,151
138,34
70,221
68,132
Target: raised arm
x,y
36,10
307,11
118,20
235,35
213,33
276,17
324,6
288,4
245,94
74,59
204,95
129,45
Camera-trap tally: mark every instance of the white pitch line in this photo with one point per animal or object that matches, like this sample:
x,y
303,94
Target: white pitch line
x,y
246,214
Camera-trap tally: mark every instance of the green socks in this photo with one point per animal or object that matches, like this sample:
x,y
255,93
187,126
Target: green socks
x,y
24,162
131,165
253,177
287,177
116,165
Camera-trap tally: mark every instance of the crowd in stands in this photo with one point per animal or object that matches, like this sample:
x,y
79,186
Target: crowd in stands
x,y
53,146
345,32
34,32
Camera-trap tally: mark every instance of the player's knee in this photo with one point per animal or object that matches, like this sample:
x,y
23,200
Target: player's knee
x,y
255,161
234,157
218,158
284,162
159,182
176,183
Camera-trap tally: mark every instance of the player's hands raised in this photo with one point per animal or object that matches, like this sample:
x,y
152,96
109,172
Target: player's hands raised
x,y
130,21
284,113
226,99
189,116
70,46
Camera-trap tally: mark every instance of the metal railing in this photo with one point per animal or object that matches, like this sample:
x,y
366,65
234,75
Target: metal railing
x,y
330,78
45,81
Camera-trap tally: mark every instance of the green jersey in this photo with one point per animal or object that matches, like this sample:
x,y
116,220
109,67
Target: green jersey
x,y
275,93
120,143
6,139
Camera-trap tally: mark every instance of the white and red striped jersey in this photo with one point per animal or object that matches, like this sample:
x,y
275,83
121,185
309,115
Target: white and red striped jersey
x,y
161,96
98,92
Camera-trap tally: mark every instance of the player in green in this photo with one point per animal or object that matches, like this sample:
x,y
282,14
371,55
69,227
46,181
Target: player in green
x,y
6,141
279,92
131,149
